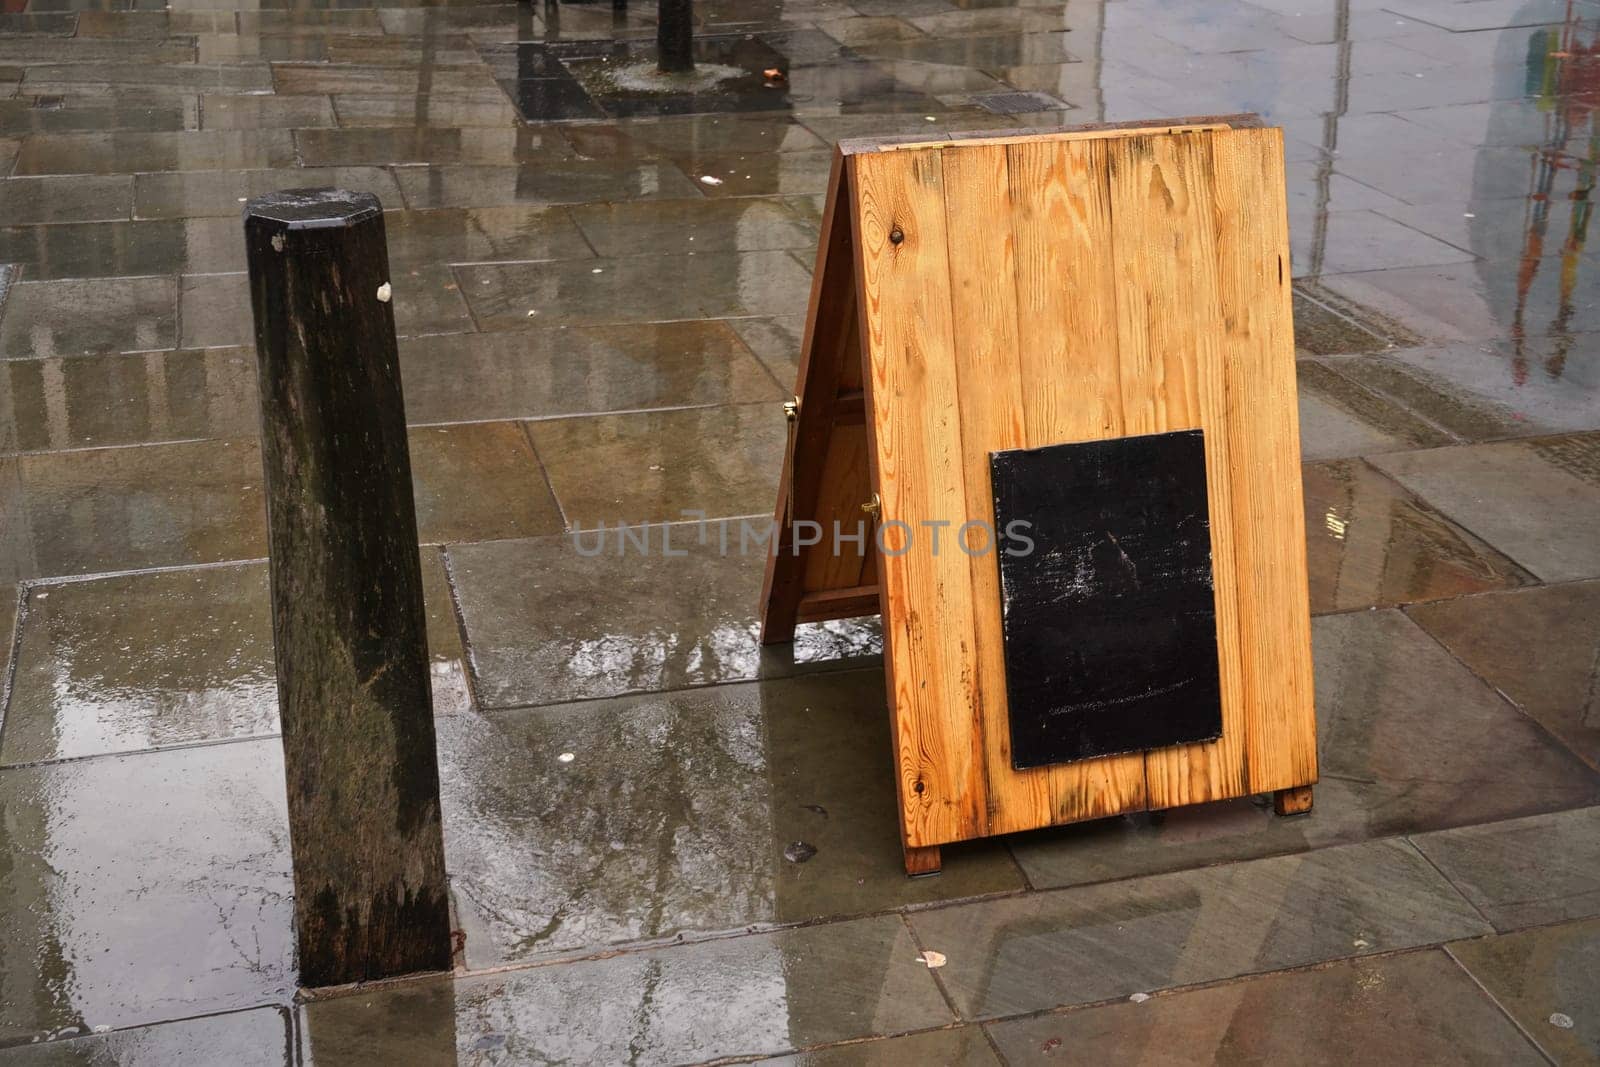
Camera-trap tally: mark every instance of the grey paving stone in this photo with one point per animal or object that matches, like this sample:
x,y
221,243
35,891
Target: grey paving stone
x,y
1534,648
1408,740
1369,543
635,289
1539,976
1418,1007
126,399
256,1037
144,887
89,315
1536,501
762,994
546,373
963,1046
547,623
737,776
1524,872
169,658
1094,943
122,153
651,467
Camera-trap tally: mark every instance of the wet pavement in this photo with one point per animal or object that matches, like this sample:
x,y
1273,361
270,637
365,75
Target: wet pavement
x,y
599,293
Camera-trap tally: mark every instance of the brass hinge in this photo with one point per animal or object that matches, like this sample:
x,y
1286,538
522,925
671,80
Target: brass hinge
x,y
791,414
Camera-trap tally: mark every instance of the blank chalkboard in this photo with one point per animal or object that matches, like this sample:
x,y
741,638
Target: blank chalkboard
x,y
1108,616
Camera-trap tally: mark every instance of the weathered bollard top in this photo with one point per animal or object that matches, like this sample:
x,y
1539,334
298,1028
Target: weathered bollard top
x,y
311,209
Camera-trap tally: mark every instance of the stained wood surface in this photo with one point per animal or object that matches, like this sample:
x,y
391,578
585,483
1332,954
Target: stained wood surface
x,y
1076,287
830,436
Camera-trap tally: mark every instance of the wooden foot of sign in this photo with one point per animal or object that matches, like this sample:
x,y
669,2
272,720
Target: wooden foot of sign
x,y
1087,332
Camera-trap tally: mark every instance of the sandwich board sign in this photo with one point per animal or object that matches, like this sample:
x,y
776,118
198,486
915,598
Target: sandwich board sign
x,y
1053,373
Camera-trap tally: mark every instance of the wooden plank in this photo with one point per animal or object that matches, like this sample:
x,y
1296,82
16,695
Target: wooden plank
x,y
1168,320
830,327
1050,137
845,486
912,397
1066,303
1029,134
1257,324
839,603
988,361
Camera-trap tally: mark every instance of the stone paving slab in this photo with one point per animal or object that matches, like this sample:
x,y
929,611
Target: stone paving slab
x,y
1541,869
1370,543
1527,647
1493,489
1095,943
169,658
255,1038
707,810
1408,741
550,624
1545,979
143,888
1418,1007
762,994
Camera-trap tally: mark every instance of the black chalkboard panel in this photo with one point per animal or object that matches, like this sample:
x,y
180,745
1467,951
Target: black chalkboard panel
x,y
1108,621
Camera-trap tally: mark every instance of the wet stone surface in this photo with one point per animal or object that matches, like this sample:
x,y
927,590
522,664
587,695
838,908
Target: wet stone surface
x,y
599,278
763,805
170,901
1414,1005
1404,734
794,988
163,659
552,624
1110,941
1544,979
257,1037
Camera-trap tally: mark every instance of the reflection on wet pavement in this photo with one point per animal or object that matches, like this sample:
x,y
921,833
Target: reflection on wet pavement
x,y
1370,543
1404,734
549,857
599,277
1416,1006
760,994
144,887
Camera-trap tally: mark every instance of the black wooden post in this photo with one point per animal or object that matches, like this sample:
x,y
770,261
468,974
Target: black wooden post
x,y
347,614
675,36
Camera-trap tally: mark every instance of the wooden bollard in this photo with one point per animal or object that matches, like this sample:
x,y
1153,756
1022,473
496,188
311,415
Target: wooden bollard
x,y
348,621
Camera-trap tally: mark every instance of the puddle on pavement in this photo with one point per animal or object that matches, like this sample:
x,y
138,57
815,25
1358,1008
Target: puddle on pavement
x,y
576,80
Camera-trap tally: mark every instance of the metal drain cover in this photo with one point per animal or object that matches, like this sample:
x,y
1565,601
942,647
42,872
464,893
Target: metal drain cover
x,y
1012,103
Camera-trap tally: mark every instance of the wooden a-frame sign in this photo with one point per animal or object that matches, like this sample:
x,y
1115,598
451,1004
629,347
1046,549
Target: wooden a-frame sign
x,y
981,294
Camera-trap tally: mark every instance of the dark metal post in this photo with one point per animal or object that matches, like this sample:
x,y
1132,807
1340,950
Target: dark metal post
x,y
675,36
347,613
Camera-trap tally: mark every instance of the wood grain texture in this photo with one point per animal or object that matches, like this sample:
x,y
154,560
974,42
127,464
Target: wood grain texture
x,y
1262,416
1296,801
1066,297
988,361
1171,364
928,605
349,629
830,370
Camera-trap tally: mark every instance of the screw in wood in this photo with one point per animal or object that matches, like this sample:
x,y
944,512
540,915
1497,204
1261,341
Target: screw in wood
x,y
896,235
